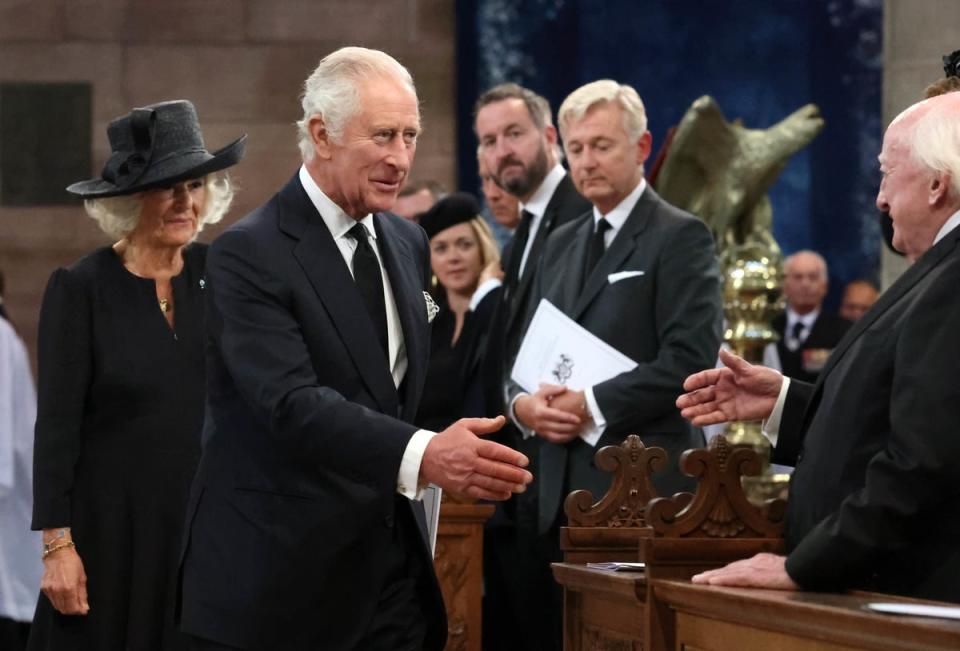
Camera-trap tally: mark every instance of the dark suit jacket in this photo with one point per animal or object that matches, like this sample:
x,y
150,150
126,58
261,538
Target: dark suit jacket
x,y
825,334
507,323
668,320
295,499
875,501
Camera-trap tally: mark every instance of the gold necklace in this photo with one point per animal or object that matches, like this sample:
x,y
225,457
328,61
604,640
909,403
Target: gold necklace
x,y
164,305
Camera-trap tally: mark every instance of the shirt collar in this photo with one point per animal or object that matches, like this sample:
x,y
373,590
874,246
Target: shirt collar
x,y
952,222
338,222
537,204
622,210
807,319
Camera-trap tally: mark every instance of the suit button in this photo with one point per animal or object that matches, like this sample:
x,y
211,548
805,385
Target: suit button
x,y
388,521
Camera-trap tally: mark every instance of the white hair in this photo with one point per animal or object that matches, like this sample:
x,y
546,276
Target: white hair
x,y
605,90
118,216
935,139
332,90
820,260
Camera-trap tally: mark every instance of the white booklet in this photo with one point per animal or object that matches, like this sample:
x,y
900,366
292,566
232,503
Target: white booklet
x,y
915,610
558,350
618,567
431,504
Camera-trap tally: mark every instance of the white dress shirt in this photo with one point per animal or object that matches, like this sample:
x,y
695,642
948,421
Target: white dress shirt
x,y
537,206
340,224
793,343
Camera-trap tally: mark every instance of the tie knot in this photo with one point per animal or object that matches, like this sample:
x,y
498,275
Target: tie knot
x,y
798,329
603,226
358,232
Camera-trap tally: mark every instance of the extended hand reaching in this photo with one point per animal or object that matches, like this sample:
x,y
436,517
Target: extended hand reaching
x,y
458,460
738,391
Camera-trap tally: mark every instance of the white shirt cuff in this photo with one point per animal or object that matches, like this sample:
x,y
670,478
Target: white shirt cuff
x,y
771,424
481,292
526,431
409,479
592,435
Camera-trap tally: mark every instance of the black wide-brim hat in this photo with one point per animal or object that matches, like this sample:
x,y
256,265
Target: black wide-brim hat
x,y
155,146
453,209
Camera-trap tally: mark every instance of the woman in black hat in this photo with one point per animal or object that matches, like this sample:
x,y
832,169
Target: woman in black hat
x,y
466,264
121,388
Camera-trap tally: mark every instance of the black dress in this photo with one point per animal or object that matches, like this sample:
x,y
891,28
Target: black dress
x,y
453,387
120,410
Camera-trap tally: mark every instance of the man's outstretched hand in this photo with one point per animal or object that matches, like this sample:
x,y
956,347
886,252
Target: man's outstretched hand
x,y
737,391
457,460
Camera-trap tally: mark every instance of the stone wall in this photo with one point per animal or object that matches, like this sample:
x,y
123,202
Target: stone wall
x,y
242,62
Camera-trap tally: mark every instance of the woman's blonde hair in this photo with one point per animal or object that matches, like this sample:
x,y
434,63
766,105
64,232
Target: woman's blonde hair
x,y
488,245
118,216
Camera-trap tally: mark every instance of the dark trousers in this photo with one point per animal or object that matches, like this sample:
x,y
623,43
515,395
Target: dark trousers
x,y
399,621
400,618
541,595
13,634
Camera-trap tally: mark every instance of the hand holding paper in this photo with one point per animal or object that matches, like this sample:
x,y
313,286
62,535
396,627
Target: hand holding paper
x,y
558,350
541,413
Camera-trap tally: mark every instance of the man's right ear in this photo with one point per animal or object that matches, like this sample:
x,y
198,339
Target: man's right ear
x,y
320,137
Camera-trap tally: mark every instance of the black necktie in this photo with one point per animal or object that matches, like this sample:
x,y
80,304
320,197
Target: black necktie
x,y
520,238
798,329
367,275
595,248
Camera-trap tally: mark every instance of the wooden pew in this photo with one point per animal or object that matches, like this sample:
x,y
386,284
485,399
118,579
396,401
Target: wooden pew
x,y
459,567
676,537
707,618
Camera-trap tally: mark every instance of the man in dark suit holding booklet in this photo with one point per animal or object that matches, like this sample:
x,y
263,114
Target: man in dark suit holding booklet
x,y
642,276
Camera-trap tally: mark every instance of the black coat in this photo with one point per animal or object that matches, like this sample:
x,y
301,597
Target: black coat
x,y
507,323
805,362
875,501
119,417
293,507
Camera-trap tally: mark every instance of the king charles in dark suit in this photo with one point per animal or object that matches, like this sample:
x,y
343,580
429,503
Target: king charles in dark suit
x,y
642,276
874,501
303,527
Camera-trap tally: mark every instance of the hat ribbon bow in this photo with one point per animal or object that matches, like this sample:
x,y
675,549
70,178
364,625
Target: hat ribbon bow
x,y
124,168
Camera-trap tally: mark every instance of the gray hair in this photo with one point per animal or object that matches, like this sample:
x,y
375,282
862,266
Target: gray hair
x,y
118,216
821,261
332,91
605,90
935,138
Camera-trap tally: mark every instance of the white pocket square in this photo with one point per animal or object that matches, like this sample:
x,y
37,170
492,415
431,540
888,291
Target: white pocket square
x,y
432,308
623,275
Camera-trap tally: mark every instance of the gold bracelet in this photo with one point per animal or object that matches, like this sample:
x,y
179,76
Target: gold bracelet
x,y
50,550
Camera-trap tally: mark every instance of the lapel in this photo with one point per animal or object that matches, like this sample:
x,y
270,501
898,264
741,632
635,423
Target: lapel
x,y
323,264
887,300
576,253
519,298
561,196
620,250
411,306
